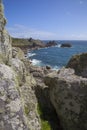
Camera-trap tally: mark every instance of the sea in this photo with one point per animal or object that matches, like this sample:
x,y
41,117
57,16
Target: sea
x,y
55,56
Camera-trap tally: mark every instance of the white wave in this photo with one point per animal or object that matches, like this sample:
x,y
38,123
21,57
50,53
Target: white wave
x,y
56,68
36,62
31,54
59,45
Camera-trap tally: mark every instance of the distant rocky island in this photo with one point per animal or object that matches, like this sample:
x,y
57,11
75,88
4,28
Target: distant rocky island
x,y
66,45
39,98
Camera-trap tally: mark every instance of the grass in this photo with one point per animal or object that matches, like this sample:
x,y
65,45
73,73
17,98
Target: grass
x,y
26,109
21,42
45,125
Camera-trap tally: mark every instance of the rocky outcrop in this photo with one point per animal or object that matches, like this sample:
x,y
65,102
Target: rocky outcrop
x,y
31,44
68,94
27,44
11,110
5,40
17,53
51,43
65,45
18,104
79,64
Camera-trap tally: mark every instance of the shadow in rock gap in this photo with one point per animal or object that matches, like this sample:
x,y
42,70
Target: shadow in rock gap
x,y
46,109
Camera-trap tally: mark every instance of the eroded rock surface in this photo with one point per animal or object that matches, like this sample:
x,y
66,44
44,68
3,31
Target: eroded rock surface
x,y
18,104
79,64
11,112
68,94
5,39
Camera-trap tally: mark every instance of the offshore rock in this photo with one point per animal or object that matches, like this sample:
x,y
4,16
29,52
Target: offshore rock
x,y
66,45
51,43
68,94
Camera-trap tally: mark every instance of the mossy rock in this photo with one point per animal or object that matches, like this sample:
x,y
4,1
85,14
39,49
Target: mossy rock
x,y
45,125
26,110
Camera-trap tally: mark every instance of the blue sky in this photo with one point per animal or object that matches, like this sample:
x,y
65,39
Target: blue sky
x,y
47,19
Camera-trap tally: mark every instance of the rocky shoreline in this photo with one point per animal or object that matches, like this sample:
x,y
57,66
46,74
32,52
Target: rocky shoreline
x,y
38,98
32,44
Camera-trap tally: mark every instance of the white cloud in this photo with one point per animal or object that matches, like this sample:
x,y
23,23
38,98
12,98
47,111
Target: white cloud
x,y
22,31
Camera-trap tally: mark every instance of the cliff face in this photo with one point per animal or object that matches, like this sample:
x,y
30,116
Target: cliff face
x,y
5,40
68,94
18,104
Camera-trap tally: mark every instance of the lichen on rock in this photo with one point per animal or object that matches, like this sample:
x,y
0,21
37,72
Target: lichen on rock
x,y
11,113
18,102
5,39
68,94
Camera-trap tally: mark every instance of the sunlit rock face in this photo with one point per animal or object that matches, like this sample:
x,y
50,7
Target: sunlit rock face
x,y
18,103
11,111
5,39
68,94
79,64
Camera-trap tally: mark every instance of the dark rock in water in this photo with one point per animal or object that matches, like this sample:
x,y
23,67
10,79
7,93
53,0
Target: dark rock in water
x,y
66,45
51,43
48,67
79,64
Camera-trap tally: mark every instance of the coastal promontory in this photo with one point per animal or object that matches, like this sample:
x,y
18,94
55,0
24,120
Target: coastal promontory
x,y
39,98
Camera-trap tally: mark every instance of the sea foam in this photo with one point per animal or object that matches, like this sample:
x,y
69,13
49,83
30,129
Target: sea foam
x,y
31,54
36,62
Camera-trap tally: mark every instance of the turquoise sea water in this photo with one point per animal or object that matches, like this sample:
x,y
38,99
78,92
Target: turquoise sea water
x,y
57,57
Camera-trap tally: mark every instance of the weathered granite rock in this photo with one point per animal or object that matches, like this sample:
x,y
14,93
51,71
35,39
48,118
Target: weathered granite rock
x,y
20,70
29,101
51,43
27,93
18,104
17,53
11,112
79,64
5,39
68,94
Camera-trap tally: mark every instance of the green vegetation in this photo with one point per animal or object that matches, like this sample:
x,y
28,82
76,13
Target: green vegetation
x,y
26,109
1,7
1,11
45,125
21,42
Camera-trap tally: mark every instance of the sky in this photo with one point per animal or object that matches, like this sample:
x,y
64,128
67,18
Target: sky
x,y
47,19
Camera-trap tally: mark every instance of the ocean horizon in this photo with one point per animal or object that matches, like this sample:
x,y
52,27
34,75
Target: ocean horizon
x,y
55,56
